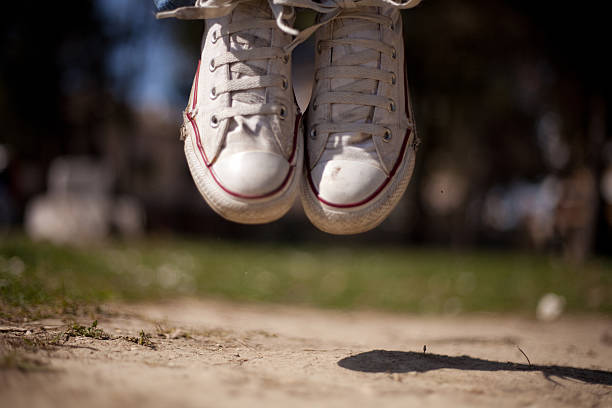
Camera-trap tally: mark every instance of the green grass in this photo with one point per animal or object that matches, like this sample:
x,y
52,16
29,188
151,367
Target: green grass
x,y
35,275
93,331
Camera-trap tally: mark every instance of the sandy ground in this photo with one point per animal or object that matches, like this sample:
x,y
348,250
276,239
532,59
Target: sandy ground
x,y
210,354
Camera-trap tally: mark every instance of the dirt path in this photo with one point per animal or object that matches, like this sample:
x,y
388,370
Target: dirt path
x,y
219,354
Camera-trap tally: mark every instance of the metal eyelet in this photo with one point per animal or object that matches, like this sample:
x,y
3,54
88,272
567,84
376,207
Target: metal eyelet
x,y
212,66
214,121
213,93
285,84
282,112
215,37
319,47
393,78
313,133
394,53
285,59
391,106
387,135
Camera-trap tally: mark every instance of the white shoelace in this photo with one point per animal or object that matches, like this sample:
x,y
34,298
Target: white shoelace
x,y
205,9
246,75
330,10
246,72
353,66
251,77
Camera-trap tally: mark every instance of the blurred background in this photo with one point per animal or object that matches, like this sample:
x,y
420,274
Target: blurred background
x,y
512,103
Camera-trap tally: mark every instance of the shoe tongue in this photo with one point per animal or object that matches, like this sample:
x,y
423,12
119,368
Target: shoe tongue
x,y
247,40
344,55
250,132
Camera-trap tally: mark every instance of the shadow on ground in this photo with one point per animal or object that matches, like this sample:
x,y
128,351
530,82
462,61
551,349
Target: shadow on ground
x,y
378,361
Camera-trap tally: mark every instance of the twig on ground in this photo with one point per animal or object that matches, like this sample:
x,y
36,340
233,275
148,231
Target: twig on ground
x,y
524,355
8,329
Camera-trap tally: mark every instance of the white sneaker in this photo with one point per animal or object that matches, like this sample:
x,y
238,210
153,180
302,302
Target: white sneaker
x,y
360,137
241,124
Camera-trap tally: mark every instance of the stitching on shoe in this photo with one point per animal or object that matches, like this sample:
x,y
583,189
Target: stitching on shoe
x,y
195,86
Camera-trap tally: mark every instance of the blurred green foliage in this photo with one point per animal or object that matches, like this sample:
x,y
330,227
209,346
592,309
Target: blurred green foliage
x,y
385,278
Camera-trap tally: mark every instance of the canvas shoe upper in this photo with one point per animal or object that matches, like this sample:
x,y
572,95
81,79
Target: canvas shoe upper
x,y
241,124
360,136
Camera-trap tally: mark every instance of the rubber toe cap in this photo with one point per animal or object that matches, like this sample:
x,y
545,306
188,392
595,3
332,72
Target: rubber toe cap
x,y
346,183
251,174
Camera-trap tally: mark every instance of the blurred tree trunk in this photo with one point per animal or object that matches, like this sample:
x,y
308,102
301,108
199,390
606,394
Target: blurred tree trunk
x,y
577,215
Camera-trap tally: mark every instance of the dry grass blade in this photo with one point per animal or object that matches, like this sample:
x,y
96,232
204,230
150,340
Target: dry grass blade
x,y
524,354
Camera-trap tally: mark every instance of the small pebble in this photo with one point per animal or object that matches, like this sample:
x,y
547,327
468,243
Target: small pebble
x,y
550,307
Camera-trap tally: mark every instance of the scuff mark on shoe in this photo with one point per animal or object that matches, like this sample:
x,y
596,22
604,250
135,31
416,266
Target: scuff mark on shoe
x,y
335,172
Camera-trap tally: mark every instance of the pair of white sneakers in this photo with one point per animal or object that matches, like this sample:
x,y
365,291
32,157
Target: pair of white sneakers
x,y
248,151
